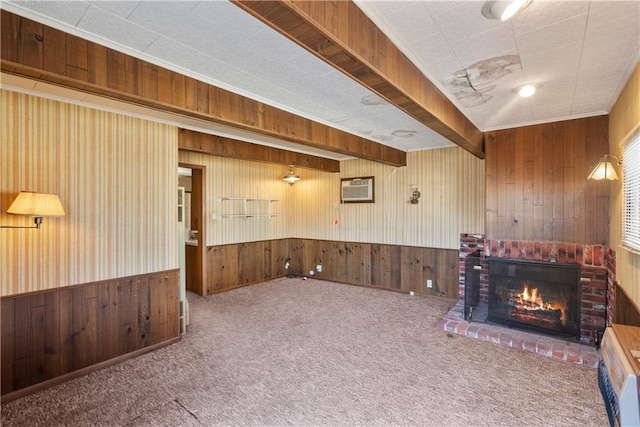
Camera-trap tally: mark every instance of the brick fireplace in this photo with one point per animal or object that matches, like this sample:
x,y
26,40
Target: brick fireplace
x,y
597,274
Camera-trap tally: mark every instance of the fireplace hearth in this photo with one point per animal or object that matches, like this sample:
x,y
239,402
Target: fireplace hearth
x,y
539,296
593,295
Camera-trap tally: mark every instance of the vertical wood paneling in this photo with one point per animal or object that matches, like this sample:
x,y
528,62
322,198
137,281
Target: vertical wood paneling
x,y
451,182
7,337
624,123
54,332
115,176
405,268
536,182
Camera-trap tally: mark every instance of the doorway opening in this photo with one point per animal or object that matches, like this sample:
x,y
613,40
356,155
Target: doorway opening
x,y
195,226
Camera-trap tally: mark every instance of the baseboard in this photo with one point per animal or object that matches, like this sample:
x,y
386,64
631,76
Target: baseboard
x,y
84,371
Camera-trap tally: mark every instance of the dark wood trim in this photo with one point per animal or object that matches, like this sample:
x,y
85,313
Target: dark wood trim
x,y
84,371
189,140
32,50
56,332
340,34
236,265
626,312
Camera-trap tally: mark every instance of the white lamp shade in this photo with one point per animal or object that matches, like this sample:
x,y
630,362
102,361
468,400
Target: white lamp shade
x,y
36,204
603,170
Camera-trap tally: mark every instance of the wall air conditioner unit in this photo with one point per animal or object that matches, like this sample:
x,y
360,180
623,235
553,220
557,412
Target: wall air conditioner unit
x,y
357,190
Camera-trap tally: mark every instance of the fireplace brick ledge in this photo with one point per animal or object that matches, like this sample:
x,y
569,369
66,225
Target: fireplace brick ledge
x,y
556,348
597,276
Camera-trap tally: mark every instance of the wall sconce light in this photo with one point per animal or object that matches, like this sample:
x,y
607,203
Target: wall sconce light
x,y
37,205
291,177
415,195
604,169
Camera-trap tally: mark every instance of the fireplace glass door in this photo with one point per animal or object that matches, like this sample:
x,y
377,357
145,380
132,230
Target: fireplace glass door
x,y
540,296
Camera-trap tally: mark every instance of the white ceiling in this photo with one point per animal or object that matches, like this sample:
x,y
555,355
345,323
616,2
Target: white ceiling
x,y
581,52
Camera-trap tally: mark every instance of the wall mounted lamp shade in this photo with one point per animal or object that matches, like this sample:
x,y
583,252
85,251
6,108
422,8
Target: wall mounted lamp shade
x,y
605,169
291,177
503,9
37,205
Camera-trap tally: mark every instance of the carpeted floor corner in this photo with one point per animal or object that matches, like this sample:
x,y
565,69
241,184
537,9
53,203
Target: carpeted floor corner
x,y
313,353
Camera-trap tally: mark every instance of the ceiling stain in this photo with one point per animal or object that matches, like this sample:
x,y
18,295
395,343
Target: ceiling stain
x,y
472,84
372,99
382,138
401,133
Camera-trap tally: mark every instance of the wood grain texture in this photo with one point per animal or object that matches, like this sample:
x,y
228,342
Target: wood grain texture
x,y
24,48
51,333
536,182
343,36
235,265
394,267
624,124
626,311
214,145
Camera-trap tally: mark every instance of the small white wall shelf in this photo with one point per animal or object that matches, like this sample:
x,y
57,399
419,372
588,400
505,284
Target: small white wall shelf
x,y
244,207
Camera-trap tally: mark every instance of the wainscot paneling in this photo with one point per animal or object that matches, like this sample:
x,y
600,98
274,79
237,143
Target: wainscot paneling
x,y
234,265
401,268
116,178
626,312
53,335
624,124
536,182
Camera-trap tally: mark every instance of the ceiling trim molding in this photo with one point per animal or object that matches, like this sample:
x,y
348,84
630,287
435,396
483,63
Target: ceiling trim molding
x,y
36,51
343,36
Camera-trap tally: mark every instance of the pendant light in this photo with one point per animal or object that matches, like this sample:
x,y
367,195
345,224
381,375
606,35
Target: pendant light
x,y
291,177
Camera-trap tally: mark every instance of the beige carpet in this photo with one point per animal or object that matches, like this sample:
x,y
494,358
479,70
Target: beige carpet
x,y
295,352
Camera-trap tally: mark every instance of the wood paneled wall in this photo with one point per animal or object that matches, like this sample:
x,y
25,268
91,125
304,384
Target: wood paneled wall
x,y
235,265
451,181
53,333
116,177
30,49
402,268
624,123
394,267
537,187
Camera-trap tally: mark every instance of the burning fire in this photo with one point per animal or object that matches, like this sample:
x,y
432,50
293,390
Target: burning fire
x,y
531,300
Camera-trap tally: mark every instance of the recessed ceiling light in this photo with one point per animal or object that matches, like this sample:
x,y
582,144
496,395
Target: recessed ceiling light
x,y
503,9
527,90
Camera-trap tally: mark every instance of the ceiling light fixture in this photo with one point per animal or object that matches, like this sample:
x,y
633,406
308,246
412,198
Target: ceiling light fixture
x,y
291,177
604,169
527,90
503,9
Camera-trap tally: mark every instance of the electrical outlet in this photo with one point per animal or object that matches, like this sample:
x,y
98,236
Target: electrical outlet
x,y
319,268
311,272
429,283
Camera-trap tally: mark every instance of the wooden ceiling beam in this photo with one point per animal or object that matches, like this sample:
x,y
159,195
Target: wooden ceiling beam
x,y
220,146
33,50
339,33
